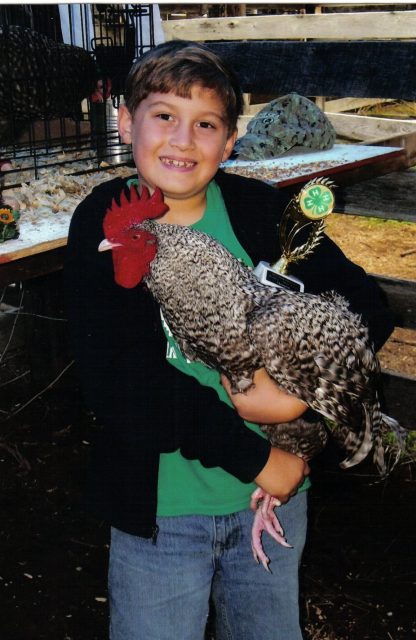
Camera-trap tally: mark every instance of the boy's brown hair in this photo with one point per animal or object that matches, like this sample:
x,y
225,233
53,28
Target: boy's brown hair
x,y
178,66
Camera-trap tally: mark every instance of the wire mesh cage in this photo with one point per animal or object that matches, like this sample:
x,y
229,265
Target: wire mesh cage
x,y
65,67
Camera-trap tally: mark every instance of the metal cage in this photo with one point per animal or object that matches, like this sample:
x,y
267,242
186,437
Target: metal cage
x,y
64,67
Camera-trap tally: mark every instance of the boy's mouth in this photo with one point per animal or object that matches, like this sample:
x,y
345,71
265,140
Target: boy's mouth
x,y
177,164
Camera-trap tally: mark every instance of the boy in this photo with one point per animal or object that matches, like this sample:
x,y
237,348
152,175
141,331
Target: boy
x,y
174,467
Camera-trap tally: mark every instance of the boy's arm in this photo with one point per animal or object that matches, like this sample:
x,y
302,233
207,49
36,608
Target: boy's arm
x,y
283,474
265,402
220,438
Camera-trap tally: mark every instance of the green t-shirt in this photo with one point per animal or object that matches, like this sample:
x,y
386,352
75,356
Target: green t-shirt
x,y
185,487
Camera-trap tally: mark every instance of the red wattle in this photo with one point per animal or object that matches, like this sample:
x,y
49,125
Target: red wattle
x,y
130,267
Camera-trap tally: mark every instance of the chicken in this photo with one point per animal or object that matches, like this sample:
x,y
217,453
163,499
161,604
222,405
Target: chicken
x,y
40,79
219,313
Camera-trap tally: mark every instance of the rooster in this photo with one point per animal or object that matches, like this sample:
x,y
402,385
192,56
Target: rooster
x,y
312,346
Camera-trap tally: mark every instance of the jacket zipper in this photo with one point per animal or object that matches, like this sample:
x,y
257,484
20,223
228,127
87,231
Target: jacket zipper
x,y
155,531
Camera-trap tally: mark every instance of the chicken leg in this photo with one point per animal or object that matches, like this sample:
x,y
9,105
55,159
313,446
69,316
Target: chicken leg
x,y
265,519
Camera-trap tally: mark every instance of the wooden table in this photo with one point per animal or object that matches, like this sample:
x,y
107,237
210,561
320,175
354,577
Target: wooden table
x,y
40,251
344,163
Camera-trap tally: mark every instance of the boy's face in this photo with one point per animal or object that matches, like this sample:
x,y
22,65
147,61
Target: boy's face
x,y
178,143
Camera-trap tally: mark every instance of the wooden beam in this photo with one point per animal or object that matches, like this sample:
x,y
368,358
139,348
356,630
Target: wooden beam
x,y
252,109
401,298
406,141
32,266
40,247
398,393
329,26
369,128
383,69
368,172
319,100
242,123
389,196
349,104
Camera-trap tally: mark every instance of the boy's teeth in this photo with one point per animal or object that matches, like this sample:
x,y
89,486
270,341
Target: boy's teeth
x,y
177,163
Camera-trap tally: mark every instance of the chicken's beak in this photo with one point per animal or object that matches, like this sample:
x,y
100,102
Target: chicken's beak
x,y
105,245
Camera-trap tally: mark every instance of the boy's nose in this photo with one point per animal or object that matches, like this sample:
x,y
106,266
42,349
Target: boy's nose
x,y
182,137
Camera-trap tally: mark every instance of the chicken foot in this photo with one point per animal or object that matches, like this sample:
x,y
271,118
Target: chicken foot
x,y
265,519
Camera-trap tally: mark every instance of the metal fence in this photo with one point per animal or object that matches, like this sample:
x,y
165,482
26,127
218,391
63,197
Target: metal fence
x,y
62,72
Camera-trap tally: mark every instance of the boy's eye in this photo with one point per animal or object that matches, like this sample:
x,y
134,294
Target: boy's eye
x,y
206,125
164,116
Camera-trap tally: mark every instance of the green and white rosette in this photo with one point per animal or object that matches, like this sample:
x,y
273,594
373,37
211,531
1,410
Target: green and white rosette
x,y
316,201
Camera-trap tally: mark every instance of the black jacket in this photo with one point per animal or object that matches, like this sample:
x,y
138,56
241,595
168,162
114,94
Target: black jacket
x,y
147,406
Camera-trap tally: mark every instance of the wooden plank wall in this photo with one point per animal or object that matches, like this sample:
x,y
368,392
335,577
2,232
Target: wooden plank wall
x,y
325,26
333,27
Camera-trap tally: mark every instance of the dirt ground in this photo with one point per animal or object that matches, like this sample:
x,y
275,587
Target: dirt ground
x,y
358,575
387,248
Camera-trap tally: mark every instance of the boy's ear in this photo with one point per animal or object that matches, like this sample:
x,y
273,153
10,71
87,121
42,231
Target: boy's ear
x,y
125,122
229,146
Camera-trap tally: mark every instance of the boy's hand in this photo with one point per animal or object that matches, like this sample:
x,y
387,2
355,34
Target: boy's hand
x,y
283,474
265,402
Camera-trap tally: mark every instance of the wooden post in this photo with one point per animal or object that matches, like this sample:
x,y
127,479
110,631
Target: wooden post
x,y
247,100
319,100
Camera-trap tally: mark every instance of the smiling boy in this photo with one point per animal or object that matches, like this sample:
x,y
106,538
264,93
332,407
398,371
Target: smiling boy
x,y
175,464
178,143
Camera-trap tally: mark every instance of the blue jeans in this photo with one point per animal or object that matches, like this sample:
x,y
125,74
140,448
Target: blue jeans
x,y
161,591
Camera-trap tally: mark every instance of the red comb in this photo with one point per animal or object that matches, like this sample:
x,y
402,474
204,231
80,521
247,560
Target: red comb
x,y
133,210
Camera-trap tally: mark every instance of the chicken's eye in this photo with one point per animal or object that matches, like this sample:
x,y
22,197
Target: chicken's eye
x,y
136,236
